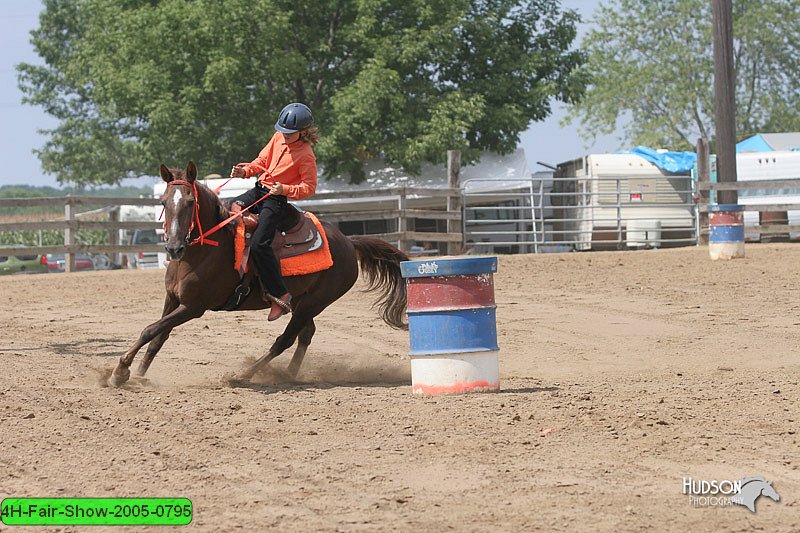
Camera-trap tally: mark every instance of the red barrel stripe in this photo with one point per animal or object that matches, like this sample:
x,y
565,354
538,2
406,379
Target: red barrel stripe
x,y
452,292
726,219
455,388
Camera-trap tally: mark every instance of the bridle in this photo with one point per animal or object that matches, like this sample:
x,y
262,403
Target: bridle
x,y
202,238
195,217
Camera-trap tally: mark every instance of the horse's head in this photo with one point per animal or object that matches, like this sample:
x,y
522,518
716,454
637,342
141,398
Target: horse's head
x,y
769,491
179,207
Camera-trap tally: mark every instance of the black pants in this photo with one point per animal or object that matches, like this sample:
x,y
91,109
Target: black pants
x,y
271,213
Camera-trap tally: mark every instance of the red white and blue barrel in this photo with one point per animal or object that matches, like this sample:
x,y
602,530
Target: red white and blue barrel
x,y
726,225
452,325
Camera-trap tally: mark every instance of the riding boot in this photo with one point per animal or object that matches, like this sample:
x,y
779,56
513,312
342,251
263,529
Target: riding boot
x,y
280,306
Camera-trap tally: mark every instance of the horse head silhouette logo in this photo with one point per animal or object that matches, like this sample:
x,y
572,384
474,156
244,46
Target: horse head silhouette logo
x,y
752,488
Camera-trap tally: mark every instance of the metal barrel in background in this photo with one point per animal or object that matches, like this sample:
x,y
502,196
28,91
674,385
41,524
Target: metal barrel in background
x,y
452,325
778,218
726,225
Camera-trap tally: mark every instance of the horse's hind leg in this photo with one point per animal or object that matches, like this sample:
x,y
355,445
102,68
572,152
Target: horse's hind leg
x,y
180,315
284,341
303,341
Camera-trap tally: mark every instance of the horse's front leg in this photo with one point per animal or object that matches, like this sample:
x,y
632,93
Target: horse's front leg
x,y
170,304
181,314
152,349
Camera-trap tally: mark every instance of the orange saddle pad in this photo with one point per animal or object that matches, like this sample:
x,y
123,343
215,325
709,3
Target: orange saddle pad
x,y
292,264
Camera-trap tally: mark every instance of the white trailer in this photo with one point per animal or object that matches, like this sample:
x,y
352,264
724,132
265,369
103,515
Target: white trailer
x,y
138,213
616,200
759,166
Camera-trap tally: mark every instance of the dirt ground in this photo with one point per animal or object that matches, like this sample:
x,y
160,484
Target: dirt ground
x,y
622,373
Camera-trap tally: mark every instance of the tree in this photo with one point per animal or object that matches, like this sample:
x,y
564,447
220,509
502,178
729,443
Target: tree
x,y
650,64
138,82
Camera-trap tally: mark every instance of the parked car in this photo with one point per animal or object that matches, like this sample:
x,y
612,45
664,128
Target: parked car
x,y
55,262
145,259
22,264
103,262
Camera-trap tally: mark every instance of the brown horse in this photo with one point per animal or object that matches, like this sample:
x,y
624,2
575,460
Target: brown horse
x,y
201,277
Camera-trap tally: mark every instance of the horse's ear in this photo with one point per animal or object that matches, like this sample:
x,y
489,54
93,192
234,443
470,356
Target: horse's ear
x,y
191,172
166,175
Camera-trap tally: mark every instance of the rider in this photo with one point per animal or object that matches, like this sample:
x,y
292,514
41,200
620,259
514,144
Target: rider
x,y
289,170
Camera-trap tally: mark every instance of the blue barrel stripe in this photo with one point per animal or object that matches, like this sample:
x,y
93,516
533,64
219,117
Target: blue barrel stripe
x,y
455,331
725,208
726,234
448,267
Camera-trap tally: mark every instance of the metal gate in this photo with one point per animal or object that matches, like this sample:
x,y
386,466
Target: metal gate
x,y
550,214
503,221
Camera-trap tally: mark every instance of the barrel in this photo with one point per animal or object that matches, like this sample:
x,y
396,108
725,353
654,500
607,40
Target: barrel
x,y
774,218
726,224
452,325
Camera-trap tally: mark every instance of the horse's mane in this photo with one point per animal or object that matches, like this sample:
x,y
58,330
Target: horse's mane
x,y
222,210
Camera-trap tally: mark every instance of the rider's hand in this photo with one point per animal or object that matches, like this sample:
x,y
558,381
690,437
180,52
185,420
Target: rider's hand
x,y
235,208
276,189
237,171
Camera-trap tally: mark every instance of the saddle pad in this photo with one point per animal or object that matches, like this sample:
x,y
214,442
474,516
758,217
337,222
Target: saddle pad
x,y
307,263
310,262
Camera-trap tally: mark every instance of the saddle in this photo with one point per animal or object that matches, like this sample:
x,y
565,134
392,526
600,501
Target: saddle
x,y
299,235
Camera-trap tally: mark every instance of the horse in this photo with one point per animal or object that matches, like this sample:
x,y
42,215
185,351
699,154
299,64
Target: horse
x,y
201,277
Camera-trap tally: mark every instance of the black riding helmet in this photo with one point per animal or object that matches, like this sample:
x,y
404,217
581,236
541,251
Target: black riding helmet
x,y
293,118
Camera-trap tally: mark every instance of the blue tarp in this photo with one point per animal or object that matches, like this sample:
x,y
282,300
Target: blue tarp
x,y
756,143
672,162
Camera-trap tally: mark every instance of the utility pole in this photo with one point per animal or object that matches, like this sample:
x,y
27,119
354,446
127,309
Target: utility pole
x,y
724,98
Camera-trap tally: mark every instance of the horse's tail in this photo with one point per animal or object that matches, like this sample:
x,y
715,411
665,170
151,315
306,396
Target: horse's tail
x,y
380,264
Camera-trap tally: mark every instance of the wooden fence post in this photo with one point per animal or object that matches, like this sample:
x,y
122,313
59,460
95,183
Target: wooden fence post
x,y
69,235
402,221
113,235
703,177
454,201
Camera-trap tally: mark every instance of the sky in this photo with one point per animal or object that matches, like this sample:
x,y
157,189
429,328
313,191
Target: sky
x,y
20,124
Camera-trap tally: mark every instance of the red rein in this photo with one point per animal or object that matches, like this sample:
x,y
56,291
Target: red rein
x,y
196,214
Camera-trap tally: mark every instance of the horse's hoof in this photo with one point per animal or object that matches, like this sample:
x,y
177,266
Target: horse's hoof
x,y
119,377
139,382
284,376
292,371
232,380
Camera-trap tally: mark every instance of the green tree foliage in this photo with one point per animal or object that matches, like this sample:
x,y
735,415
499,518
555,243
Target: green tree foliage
x,y
651,66
138,82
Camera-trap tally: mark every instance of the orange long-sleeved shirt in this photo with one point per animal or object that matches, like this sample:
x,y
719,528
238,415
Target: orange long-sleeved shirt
x,y
293,165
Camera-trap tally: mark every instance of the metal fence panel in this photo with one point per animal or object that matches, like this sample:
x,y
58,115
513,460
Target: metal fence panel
x,y
580,213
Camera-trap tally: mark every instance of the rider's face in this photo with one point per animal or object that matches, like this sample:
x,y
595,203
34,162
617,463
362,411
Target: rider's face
x,y
291,137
